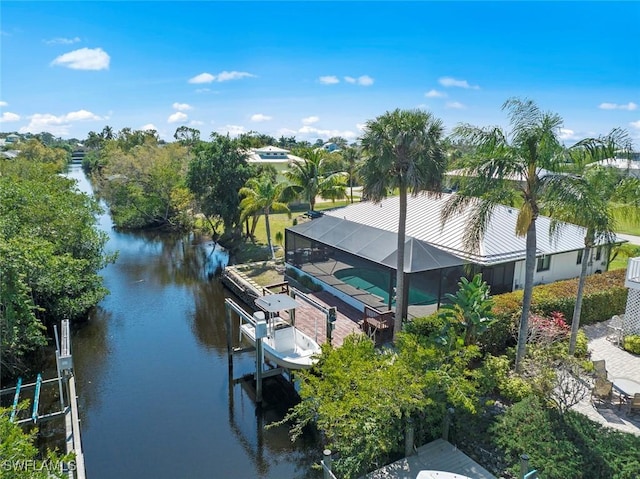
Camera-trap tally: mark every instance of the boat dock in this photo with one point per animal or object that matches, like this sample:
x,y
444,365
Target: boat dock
x,y
75,469
310,318
436,456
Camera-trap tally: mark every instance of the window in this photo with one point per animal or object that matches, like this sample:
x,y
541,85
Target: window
x,y
598,253
544,263
579,261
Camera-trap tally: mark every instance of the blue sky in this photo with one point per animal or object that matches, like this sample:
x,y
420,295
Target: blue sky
x,y
314,69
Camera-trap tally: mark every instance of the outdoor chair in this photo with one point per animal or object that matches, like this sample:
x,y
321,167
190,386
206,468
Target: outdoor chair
x,y
600,369
615,329
634,405
603,390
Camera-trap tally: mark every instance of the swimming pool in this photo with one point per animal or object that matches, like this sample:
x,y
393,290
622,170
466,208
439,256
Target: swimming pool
x,y
376,282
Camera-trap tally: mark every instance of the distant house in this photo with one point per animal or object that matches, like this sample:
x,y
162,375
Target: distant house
x,y
12,138
274,156
630,167
352,252
330,147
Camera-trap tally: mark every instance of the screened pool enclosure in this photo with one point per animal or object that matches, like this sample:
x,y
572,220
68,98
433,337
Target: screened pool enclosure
x,y
358,262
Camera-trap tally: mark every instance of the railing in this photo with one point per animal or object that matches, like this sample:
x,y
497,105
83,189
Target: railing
x,y
633,274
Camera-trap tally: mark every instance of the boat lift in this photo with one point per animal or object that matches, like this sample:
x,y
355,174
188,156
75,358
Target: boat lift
x,y
66,383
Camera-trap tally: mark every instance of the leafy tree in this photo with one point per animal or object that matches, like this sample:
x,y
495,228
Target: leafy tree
x,y
187,136
145,186
17,448
362,399
215,175
532,154
94,140
586,200
263,195
310,178
35,151
51,254
402,149
471,307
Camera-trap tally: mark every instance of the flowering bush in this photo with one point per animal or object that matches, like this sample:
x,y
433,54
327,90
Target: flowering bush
x,y
546,331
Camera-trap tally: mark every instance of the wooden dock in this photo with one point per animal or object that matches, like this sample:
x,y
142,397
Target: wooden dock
x,y
309,319
438,455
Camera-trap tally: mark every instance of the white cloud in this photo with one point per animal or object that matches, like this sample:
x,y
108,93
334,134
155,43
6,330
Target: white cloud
x,y
3,103
84,59
196,123
361,126
220,77
203,90
181,106
149,126
232,130
234,75
8,116
286,132
329,80
322,133
567,134
435,94
57,125
260,117
62,41
364,80
310,120
455,105
450,82
635,124
614,106
176,117
202,78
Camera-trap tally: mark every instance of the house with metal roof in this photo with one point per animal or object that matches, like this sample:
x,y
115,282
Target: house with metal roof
x,y
352,251
279,158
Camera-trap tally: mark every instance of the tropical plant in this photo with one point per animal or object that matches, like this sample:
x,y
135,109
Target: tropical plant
x,y
471,307
516,169
309,178
586,200
216,173
402,150
262,195
351,156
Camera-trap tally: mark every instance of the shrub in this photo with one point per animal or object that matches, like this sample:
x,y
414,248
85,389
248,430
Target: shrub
x,y
632,343
566,446
604,296
496,375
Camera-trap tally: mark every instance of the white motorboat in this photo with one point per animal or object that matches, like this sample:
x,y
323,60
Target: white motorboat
x,y
284,344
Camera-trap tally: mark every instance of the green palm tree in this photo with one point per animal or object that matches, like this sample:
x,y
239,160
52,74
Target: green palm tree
x,y
263,195
309,179
351,155
587,200
402,150
513,169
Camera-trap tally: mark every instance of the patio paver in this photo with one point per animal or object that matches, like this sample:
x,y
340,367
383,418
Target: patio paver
x,y
619,363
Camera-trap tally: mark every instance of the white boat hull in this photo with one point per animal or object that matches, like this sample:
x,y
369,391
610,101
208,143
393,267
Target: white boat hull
x,y
286,346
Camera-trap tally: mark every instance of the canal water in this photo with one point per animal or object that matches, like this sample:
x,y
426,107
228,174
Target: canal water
x,y
153,382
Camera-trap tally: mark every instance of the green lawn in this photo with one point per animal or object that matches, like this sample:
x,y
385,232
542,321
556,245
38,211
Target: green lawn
x,y
627,222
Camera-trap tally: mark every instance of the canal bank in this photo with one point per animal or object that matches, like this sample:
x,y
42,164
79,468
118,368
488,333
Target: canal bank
x,y
151,364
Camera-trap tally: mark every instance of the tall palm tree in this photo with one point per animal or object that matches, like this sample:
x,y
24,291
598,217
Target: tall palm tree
x,y
402,150
310,179
263,195
351,155
513,168
587,200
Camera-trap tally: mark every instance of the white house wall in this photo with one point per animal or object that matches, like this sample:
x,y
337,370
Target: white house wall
x,y
563,266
